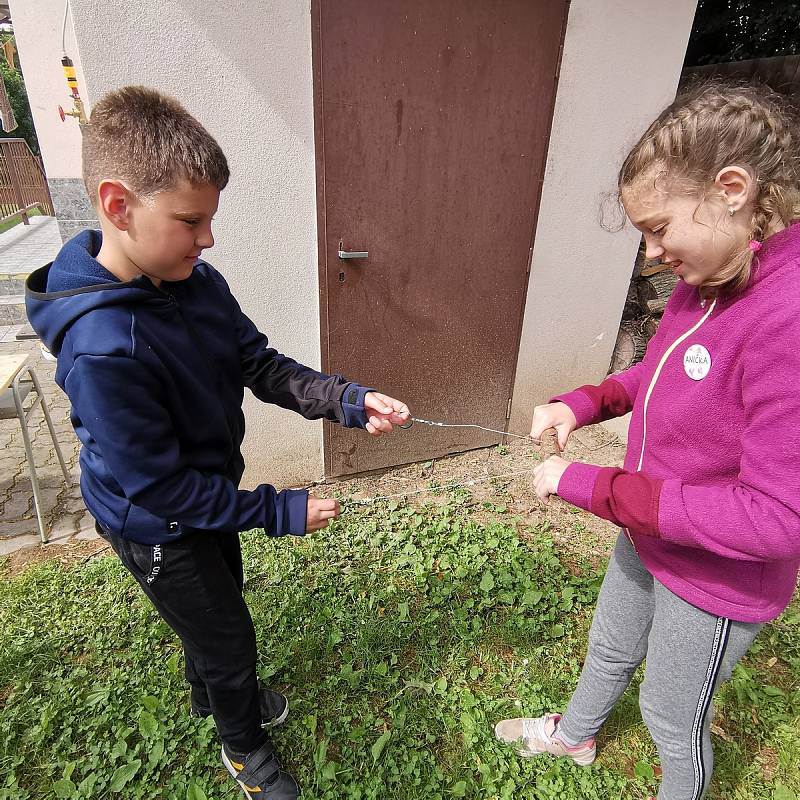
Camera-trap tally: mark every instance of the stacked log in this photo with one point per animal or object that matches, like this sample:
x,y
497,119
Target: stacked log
x,y
654,288
630,346
650,287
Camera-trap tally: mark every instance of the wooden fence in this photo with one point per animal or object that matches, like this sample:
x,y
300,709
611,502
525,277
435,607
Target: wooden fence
x,y
23,185
782,73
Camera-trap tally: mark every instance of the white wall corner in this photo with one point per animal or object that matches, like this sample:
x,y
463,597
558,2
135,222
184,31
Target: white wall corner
x,y
42,39
620,67
245,72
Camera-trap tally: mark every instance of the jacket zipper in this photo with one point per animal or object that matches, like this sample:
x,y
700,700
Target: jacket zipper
x,y
667,353
206,363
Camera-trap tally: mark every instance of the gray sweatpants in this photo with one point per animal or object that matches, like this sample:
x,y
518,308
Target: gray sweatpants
x,y
689,653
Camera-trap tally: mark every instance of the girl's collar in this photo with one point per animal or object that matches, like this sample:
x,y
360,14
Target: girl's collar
x,y
778,250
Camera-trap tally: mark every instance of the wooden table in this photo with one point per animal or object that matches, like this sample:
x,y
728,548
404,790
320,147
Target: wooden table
x,y
10,366
14,390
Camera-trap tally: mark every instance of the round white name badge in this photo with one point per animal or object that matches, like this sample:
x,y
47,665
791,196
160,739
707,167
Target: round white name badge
x,y
697,362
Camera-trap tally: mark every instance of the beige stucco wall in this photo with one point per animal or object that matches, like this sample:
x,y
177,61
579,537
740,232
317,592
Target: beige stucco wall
x,y
38,26
621,64
244,70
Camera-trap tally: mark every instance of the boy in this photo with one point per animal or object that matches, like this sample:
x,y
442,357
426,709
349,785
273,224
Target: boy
x,y
154,354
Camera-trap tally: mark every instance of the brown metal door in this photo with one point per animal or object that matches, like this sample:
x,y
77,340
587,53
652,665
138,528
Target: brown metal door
x,y
432,125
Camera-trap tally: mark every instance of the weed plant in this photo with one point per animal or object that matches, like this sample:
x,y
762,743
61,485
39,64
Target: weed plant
x,y
401,635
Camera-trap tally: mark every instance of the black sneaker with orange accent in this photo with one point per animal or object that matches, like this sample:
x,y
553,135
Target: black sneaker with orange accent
x,y
259,774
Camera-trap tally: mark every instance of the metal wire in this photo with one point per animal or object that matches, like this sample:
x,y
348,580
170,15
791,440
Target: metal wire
x,y
368,500
64,29
466,425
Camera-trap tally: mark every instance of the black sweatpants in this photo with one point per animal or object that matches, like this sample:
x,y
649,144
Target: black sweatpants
x,y
195,583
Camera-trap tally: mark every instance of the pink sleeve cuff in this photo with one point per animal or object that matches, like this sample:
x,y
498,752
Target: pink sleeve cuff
x,y
628,499
577,484
580,404
672,520
592,404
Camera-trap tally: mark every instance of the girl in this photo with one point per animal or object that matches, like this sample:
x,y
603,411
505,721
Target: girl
x,y
709,497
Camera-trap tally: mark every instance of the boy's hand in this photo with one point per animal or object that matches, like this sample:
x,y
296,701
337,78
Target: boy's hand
x,y
547,475
383,412
553,415
319,512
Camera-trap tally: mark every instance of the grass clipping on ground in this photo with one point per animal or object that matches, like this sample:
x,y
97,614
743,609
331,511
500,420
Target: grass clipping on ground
x,y
401,635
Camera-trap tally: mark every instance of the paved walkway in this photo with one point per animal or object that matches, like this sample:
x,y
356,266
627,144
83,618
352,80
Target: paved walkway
x,y
25,248
65,514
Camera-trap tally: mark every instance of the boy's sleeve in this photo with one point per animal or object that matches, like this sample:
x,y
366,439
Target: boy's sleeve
x,y
276,378
117,401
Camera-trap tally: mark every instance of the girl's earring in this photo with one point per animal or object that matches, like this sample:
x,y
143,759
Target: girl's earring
x,y
731,211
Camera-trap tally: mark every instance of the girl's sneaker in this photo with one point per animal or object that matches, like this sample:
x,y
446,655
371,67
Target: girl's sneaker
x,y
540,735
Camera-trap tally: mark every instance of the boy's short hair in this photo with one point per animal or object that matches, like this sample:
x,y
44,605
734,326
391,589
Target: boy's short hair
x,y
150,142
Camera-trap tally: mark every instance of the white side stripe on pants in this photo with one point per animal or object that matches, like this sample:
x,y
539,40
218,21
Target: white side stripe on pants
x,y
704,702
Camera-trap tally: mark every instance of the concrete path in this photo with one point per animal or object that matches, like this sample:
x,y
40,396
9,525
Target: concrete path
x,y
25,248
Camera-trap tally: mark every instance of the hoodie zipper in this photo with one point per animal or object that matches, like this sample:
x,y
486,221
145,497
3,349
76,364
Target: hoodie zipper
x,y
667,353
206,363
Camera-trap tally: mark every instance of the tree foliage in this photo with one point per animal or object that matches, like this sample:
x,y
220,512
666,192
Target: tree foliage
x,y
738,30
15,88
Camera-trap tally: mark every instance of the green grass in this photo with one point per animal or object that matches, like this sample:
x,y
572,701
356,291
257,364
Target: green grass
x,y
401,635
8,225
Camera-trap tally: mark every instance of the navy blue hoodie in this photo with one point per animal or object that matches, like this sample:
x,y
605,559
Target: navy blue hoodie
x,y
156,379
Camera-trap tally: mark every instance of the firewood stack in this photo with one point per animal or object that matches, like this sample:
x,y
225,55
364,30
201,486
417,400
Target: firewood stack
x,y
651,285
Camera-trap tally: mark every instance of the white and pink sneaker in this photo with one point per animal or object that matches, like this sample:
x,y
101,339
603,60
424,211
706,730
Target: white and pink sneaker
x,y
539,735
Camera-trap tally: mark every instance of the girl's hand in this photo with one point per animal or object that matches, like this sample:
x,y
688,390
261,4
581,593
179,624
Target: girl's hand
x,y
547,475
383,412
553,415
319,512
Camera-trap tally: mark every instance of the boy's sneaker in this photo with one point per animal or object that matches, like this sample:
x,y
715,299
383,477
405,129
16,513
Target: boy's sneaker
x,y
540,735
274,707
259,774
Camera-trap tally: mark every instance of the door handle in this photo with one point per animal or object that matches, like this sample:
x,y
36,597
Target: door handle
x,y
345,254
353,254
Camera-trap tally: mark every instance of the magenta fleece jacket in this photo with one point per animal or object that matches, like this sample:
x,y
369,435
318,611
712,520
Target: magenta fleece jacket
x,y
710,489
